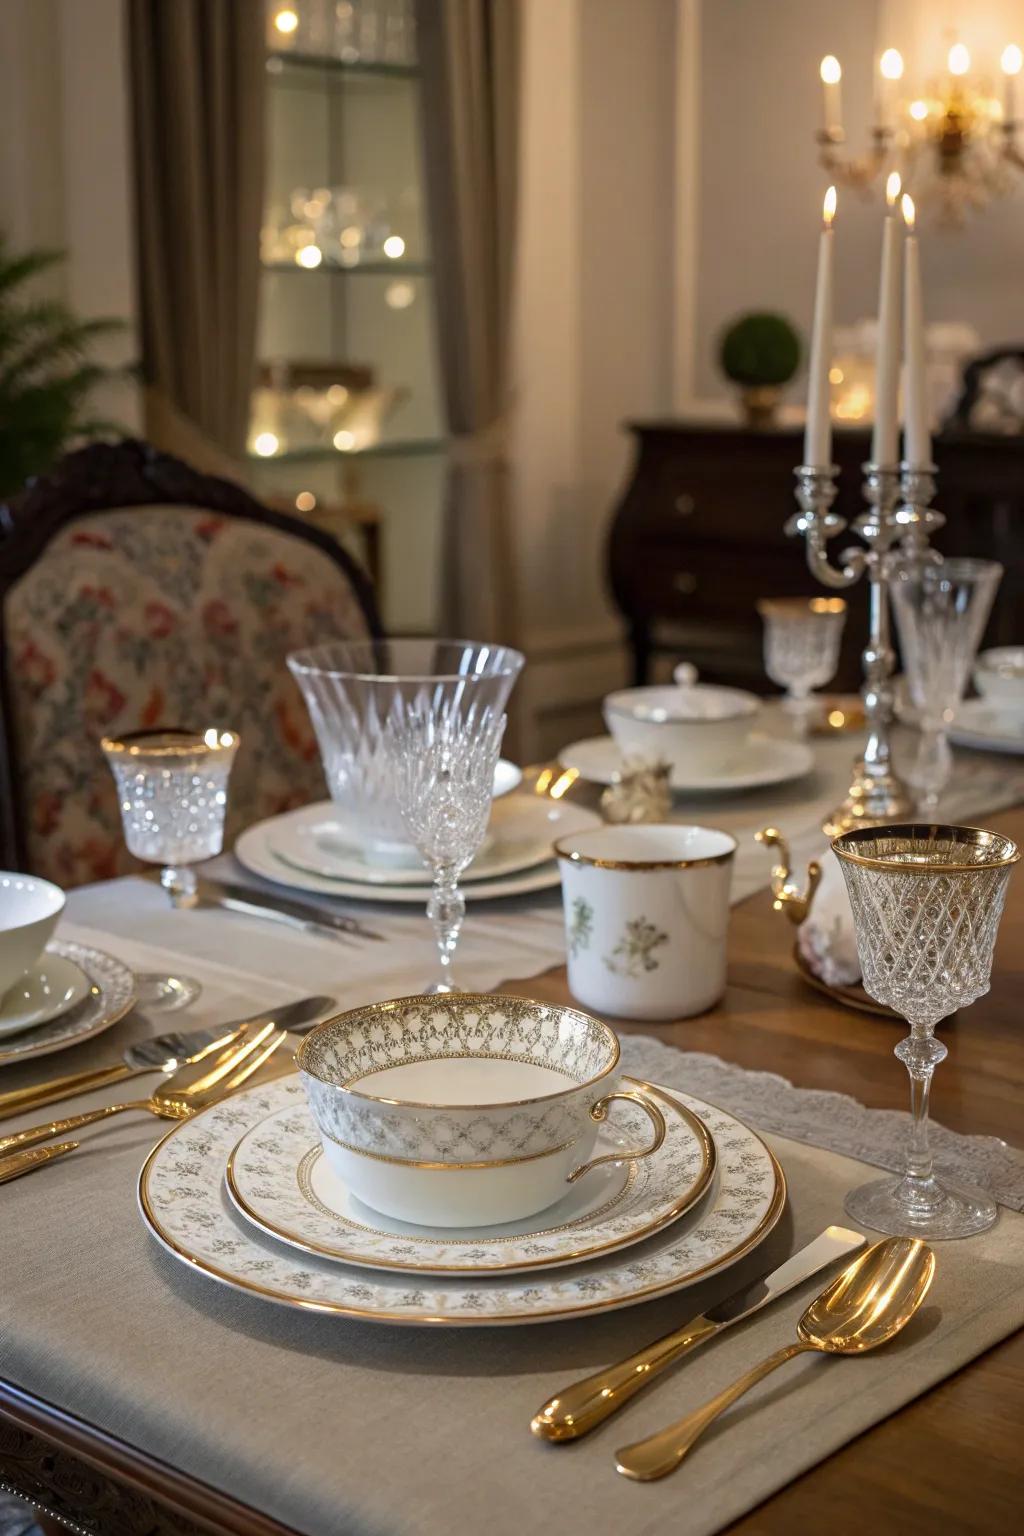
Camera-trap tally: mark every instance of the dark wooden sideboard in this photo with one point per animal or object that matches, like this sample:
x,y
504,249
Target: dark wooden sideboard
x,y
698,537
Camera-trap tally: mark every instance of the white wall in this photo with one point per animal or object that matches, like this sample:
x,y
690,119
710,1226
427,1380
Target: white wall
x,y
760,186
592,335
64,169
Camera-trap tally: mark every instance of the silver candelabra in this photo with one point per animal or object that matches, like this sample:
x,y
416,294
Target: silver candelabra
x,y
896,526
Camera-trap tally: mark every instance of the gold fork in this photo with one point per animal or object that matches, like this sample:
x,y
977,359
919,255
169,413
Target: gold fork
x,y
190,1089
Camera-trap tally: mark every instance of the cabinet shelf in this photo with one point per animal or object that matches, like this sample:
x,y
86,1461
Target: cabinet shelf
x,y
279,63
410,448
360,269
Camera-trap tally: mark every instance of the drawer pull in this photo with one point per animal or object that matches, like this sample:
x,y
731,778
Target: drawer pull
x,y
684,504
684,582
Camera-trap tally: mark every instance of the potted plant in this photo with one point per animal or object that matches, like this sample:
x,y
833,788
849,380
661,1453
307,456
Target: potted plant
x,y
760,353
45,372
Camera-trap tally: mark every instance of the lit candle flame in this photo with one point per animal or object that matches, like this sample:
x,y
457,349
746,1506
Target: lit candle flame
x,y
909,213
1011,60
831,70
919,110
892,188
959,59
828,209
891,64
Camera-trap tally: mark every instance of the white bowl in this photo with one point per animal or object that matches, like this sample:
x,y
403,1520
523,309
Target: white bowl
x,y
465,1110
29,909
999,678
699,729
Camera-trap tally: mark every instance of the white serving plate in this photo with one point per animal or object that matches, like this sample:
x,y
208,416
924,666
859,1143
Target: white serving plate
x,y
987,729
253,851
184,1201
764,760
52,986
109,995
521,831
279,1179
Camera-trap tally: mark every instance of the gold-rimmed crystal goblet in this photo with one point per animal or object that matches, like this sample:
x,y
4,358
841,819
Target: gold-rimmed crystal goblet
x,y
172,788
926,906
801,648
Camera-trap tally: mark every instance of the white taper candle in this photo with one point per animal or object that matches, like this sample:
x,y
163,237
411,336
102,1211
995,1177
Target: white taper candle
x,y
885,436
917,446
818,433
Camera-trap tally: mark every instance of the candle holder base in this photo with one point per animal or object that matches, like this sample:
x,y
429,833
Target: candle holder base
x,y
872,798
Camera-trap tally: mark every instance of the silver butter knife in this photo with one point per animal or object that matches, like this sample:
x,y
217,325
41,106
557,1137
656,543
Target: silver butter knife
x,y
579,1408
282,909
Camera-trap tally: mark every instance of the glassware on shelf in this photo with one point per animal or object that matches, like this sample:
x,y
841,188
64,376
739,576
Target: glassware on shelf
x,y
351,689
172,789
926,906
801,648
443,756
941,609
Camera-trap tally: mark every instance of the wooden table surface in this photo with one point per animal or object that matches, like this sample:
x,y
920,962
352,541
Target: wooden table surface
x,y
952,1460
949,1462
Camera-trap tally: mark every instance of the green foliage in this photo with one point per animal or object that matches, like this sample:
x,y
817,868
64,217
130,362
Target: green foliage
x,y
760,349
45,372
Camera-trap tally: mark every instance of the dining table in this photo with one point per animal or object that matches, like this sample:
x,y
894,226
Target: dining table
x,y
165,1456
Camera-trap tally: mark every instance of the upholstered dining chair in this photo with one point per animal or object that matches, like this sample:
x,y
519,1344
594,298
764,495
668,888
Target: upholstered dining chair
x,y
134,594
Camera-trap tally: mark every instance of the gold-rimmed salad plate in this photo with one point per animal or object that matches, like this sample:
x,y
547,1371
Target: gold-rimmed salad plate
x,y
184,1201
279,1179
106,996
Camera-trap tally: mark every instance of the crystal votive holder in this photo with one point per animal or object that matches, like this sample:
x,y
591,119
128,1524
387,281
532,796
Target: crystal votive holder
x,y
172,787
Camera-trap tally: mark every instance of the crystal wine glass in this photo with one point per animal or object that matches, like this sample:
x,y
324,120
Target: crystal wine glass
x,y
172,788
351,689
443,760
801,648
941,609
926,906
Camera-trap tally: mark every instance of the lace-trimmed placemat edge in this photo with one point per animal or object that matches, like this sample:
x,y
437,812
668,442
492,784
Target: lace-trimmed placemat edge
x,y
821,1118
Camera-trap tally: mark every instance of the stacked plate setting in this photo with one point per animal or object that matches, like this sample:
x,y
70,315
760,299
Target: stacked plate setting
x,y
313,850
258,1191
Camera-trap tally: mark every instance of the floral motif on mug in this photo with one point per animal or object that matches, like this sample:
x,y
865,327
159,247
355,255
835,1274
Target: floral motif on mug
x,y
581,926
634,953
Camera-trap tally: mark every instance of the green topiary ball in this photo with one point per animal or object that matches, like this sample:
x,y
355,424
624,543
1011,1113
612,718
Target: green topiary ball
x,y
760,349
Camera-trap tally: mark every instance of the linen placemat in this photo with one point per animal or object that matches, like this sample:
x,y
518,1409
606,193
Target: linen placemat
x,y
336,1426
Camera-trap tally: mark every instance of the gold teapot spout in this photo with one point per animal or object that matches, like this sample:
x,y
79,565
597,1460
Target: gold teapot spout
x,y
786,896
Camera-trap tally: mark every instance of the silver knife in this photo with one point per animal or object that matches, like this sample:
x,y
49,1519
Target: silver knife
x,y
579,1408
295,914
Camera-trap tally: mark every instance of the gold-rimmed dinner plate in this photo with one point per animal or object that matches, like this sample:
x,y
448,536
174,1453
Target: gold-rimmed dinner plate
x,y
279,1179
109,994
185,1203
521,830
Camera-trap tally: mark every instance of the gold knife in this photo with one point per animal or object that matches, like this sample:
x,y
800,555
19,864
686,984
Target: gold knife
x,y
581,1407
23,1162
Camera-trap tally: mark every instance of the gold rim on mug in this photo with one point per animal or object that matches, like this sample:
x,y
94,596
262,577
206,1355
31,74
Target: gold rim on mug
x,y
573,856
787,607
769,1220
1005,849
170,742
685,1202
454,1001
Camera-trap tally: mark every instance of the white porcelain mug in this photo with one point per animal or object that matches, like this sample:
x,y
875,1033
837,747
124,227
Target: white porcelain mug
x,y
464,1110
646,917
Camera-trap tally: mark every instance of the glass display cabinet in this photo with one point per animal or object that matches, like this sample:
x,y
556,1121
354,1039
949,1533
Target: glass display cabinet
x,y
346,422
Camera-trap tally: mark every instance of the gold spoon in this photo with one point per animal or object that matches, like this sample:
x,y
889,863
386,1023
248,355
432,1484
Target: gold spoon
x,y
865,1306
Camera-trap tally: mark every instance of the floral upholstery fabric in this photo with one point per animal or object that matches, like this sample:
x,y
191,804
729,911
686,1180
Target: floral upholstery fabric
x,y
162,616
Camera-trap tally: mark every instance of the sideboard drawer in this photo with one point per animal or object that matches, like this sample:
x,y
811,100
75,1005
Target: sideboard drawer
x,y
709,578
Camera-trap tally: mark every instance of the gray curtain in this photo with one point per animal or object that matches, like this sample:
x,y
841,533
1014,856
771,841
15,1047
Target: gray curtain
x,y
469,51
197,82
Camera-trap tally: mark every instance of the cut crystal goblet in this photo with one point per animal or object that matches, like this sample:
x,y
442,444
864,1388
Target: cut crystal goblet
x,y
926,906
172,787
941,608
801,648
442,765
